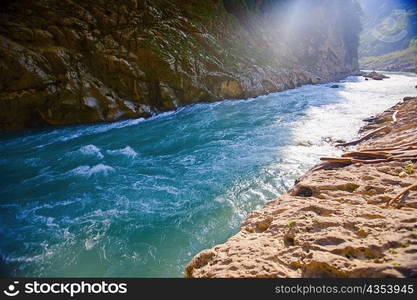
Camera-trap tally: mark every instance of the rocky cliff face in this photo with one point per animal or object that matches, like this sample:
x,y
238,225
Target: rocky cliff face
x,y
68,62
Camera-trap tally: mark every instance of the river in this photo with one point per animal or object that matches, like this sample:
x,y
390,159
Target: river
x,y
139,198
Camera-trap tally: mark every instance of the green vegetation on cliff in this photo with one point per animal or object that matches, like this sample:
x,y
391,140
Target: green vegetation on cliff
x,y
402,60
67,62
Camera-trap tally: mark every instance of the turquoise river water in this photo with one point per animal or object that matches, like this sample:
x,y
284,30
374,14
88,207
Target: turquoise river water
x,y
139,198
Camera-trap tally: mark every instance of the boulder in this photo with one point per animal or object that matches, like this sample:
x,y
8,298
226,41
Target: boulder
x,y
375,76
370,119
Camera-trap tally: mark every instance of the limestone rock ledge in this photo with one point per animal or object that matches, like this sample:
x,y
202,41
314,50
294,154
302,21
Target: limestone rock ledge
x,y
334,222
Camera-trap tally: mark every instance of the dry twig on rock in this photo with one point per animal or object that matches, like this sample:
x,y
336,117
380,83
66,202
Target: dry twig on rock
x,y
400,194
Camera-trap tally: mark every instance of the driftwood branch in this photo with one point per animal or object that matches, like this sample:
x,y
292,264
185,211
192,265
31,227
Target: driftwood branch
x,y
369,156
366,137
400,194
404,197
330,165
348,161
366,154
394,116
403,147
341,162
372,161
336,160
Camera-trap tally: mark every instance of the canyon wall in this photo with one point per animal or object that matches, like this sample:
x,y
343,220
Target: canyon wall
x,y
70,62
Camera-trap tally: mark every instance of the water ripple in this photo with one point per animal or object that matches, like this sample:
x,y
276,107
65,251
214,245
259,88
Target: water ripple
x,y
140,197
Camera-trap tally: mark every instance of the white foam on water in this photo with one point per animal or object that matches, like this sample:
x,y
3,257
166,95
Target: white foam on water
x,y
127,151
132,221
91,150
316,132
342,120
88,171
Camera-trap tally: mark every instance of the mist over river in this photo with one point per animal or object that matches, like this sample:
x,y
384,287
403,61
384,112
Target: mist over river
x,y
139,198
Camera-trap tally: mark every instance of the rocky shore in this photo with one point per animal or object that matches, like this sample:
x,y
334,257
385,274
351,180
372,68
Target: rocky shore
x,y
354,216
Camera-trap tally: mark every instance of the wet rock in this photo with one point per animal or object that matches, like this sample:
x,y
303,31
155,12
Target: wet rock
x,y
375,76
335,86
305,143
370,119
332,140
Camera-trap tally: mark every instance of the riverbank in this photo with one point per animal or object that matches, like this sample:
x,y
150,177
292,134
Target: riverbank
x,y
137,199
341,219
